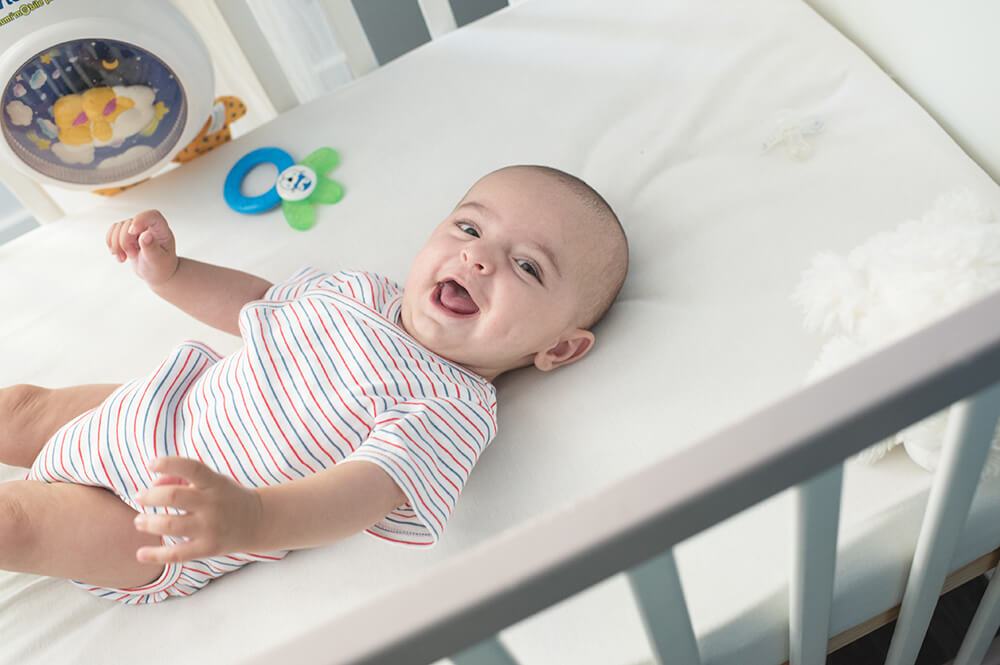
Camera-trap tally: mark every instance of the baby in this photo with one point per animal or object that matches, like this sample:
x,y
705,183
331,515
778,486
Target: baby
x,y
152,489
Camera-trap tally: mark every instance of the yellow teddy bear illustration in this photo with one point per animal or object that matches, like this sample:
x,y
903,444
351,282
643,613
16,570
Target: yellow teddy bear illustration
x,y
84,117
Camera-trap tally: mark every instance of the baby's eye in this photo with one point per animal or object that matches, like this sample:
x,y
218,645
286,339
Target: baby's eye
x,y
530,268
465,227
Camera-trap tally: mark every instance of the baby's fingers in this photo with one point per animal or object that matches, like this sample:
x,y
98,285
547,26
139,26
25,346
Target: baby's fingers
x,y
168,480
178,526
113,239
153,223
128,239
197,542
179,553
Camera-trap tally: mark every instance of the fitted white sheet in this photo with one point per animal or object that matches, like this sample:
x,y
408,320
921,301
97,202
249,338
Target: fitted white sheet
x,y
664,108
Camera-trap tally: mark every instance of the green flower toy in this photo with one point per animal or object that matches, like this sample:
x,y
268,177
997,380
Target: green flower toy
x,y
298,185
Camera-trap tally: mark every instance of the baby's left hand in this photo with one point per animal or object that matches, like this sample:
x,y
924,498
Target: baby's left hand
x,y
221,515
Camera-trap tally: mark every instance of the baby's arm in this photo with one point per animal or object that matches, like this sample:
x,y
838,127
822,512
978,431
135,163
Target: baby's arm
x,y
223,517
212,294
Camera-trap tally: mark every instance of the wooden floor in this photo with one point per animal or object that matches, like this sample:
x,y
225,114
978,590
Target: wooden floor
x,y
948,625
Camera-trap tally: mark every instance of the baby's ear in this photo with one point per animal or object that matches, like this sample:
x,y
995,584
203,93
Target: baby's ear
x,y
569,348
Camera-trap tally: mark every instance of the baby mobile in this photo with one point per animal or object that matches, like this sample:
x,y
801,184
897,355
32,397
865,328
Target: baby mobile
x,y
88,106
94,110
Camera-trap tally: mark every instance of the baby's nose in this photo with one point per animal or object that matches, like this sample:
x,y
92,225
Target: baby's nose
x,y
478,261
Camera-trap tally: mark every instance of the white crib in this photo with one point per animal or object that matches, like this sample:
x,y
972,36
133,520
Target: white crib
x,y
800,441
663,107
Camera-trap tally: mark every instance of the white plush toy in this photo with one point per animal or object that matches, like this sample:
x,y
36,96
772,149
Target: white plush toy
x,y
895,283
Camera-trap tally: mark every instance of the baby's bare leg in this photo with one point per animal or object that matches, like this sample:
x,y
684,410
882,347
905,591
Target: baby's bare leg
x,y
30,415
74,531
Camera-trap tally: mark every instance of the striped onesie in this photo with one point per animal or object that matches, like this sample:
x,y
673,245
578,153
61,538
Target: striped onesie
x,y
325,374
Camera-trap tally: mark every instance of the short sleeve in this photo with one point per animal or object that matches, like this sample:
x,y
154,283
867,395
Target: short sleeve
x,y
429,448
296,285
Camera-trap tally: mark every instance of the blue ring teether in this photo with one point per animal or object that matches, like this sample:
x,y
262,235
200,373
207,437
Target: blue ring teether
x,y
269,199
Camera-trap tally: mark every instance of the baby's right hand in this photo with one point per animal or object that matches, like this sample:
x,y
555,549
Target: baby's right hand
x,y
149,242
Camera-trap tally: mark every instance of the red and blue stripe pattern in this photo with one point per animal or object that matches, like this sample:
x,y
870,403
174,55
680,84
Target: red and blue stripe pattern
x,y
325,375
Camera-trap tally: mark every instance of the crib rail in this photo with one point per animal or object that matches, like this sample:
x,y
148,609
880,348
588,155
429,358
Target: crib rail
x,y
456,608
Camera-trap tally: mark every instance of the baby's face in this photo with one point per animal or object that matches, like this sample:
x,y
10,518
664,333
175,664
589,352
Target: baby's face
x,y
499,283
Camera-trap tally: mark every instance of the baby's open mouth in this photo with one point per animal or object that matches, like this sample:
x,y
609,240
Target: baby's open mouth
x,y
453,297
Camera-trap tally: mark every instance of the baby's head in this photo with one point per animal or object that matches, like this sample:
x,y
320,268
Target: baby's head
x,y
517,274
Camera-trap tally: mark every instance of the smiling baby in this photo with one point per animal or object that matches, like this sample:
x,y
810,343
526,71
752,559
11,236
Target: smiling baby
x,y
151,489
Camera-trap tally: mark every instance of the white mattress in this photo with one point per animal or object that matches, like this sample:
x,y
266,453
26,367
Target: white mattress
x,y
664,108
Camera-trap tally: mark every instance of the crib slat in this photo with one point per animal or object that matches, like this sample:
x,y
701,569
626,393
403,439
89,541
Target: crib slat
x,y
351,36
438,16
984,626
971,426
810,591
657,588
487,652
